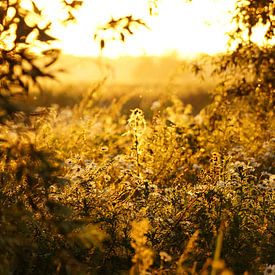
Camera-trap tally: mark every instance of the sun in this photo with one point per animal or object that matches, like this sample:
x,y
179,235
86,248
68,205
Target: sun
x,y
188,29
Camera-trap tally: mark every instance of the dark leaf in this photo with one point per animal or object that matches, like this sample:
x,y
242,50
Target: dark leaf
x,y
76,4
102,44
2,14
22,31
36,9
43,36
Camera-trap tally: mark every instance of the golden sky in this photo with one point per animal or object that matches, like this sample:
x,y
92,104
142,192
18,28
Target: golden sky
x,y
188,29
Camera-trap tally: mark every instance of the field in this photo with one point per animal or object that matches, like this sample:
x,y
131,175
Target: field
x,y
159,174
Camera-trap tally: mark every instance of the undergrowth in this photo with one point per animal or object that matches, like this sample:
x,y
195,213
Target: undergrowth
x,y
172,194
89,188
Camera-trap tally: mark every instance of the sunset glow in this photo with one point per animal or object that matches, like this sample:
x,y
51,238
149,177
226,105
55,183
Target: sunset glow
x,y
185,28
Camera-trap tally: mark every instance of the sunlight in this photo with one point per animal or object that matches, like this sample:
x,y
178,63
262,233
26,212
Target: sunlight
x,y
181,27
187,29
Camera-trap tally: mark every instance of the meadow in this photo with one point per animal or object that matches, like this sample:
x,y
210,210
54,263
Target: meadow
x,y
149,165
139,178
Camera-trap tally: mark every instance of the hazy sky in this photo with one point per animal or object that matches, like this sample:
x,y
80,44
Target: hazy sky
x,y
189,29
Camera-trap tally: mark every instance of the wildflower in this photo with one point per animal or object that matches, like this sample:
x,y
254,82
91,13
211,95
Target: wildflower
x,y
165,256
269,270
221,183
155,105
197,167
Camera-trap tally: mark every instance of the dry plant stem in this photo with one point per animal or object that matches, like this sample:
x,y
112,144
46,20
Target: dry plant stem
x,y
218,250
184,256
137,156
